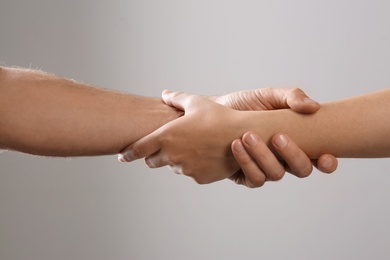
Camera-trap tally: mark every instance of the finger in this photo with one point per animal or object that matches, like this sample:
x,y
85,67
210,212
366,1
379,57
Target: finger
x,y
293,98
168,95
263,156
298,101
176,169
254,176
237,177
176,99
144,147
240,179
156,160
327,163
298,162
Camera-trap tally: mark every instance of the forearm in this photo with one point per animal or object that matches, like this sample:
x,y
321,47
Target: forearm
x,y
48,115
355,127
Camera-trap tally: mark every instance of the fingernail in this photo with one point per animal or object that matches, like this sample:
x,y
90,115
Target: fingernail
x,y
128,156
120,158
327,163
252,140
239,147
309,101
281,141
149,163
166,92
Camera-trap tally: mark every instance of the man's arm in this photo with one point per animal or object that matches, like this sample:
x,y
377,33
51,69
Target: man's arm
x,y
48,115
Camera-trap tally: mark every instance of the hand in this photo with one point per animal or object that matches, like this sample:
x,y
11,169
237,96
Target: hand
x,y
258,163
272,169
269,99
197,144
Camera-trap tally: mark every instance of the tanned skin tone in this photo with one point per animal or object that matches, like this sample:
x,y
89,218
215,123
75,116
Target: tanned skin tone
x,y
44,114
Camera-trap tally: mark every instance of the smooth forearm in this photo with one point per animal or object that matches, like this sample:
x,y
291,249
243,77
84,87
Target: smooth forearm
x,y
355,127
48,115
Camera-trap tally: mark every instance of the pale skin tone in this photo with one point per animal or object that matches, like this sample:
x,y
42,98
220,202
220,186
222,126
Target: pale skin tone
x,y
357,127
44,114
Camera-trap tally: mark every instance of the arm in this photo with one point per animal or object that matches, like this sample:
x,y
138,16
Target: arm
x,y
267,165
48,115
198,144
357,127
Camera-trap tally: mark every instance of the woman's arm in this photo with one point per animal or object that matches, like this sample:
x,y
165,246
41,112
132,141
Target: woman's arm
x,y
48,115
356,127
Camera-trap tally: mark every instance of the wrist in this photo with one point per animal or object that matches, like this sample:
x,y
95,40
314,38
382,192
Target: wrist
x,y
265,123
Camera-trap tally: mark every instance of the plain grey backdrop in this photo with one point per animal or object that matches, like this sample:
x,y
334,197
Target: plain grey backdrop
x,y
97,208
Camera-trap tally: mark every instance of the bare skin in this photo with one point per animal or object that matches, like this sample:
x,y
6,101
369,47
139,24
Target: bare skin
x,y
203,134
356,127
44,114
249,153
345,128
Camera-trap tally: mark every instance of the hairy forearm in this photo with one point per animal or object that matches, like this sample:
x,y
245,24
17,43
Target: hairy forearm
x,y
356,127
48,115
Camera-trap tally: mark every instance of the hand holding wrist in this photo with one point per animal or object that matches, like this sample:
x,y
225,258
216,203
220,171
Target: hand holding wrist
x,y
197,144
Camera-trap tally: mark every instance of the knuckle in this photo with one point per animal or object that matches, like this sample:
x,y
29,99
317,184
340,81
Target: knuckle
x,y
149,163
189,172
176,169
296,90
305,172
171,161
190,99
254,185
174,159
165,138
176,93
327,164
244,161
257,181
277,175
136,152
256,155
201,181
198,178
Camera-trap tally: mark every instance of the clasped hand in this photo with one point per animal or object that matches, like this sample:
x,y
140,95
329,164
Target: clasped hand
x,y
209,142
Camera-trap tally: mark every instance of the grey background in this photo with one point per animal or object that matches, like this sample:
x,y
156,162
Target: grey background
x,y
97,208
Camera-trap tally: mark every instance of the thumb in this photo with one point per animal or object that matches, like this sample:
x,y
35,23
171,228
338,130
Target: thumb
x,y
179,100
144,147
298,101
